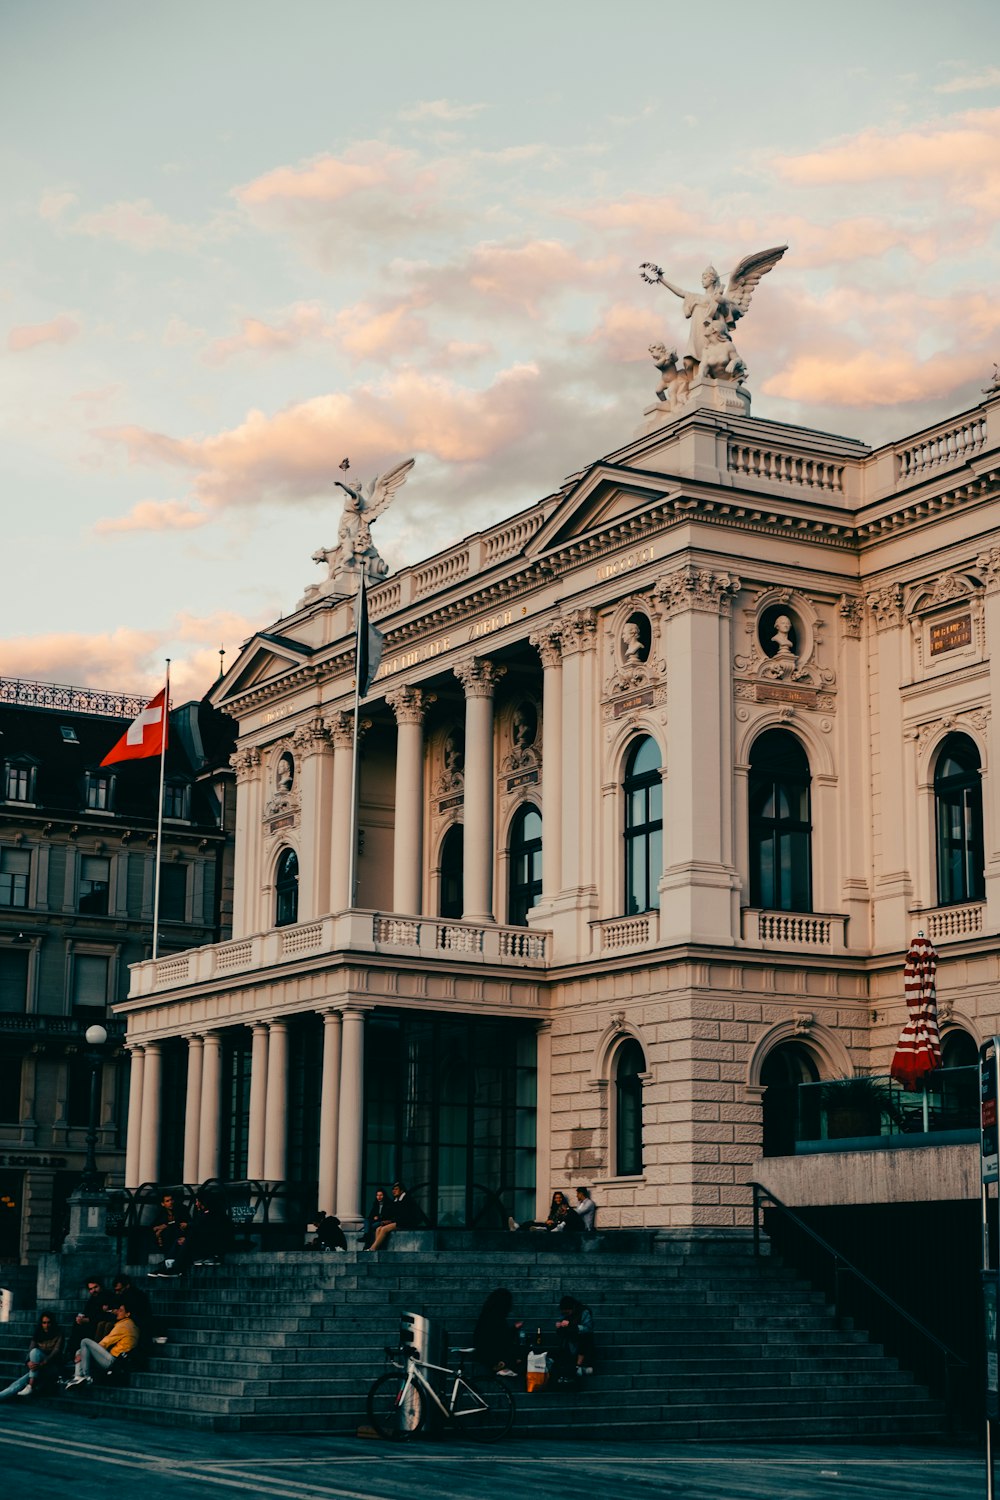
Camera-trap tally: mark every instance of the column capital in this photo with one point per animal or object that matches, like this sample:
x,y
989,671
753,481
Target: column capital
x,y
886,604
547,641
246,763
691,588
312,738
410,704
478,676
988,564
342,729
578,631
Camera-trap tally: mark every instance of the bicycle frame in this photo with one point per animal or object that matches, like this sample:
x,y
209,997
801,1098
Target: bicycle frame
x,y
415,1369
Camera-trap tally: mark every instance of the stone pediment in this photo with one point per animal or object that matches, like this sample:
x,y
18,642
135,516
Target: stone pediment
x,y
600,497
264,659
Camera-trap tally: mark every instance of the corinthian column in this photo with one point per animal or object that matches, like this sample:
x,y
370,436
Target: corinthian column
x,y
409,705
192,1109
329,1112
211,1091
276,1112
548,643
134,1138
342,730
351,1133
479,679
149,1146
258,1100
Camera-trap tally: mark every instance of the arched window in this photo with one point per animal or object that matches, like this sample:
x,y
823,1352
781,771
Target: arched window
x,y
286,885
785,1109
958,801
452,869
630,1064
780,826
643,789
525,882
958,1082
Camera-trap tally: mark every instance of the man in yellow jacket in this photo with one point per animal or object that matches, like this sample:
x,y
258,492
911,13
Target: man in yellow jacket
x,y
123,1338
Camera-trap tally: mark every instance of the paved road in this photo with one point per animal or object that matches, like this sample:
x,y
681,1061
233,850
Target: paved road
x,y
47,1449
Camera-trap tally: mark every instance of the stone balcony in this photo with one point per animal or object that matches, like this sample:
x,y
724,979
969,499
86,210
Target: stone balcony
x,y
794,931
355,932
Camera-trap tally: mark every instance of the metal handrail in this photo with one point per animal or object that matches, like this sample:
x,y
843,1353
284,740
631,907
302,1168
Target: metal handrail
x,y
952,1360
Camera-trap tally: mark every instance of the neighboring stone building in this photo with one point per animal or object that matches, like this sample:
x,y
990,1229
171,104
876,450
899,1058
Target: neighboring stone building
x,y
77,855
657,780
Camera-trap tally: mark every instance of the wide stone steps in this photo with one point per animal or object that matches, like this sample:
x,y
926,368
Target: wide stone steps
x,y
696,1338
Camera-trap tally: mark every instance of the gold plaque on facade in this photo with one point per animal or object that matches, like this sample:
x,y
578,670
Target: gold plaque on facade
x,y
948,635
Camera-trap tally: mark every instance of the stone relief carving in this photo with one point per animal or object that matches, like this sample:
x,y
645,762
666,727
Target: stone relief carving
x,y
451,778
697,588
578,630
284,796
311,738
784,640
547,641
523,754
886,604
245,763
933,729
988,564
851,612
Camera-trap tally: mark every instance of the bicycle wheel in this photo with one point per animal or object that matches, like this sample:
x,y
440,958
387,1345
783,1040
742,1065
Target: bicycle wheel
x,y
484,1408
395,1407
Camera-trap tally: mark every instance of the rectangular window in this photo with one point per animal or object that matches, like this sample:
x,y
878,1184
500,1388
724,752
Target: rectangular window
x,y
90,980
98,791
95,883
13,979
78,1076
15,866
173,893
10,1090
175,800
19,782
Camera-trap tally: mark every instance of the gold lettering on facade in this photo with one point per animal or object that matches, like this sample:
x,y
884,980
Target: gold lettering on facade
x,y
637,700
948,635
495,622
412,658
624,564
774,693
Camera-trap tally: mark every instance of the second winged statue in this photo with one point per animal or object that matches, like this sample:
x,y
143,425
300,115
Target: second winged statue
x,y
364,502
713,312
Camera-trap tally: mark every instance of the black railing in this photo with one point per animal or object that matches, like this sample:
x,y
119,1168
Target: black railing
x,y
77,700
260,1215
854,1295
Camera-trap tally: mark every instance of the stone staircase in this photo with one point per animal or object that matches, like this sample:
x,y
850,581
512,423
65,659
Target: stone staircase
x,y
697,1339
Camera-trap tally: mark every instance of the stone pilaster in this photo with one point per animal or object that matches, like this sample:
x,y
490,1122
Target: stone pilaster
x,y
314,757
548,643
247,853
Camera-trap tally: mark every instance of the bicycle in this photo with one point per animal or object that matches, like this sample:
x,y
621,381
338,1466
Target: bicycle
x,y
399,1402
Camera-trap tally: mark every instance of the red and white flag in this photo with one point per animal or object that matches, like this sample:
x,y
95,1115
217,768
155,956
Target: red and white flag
x,y
145,736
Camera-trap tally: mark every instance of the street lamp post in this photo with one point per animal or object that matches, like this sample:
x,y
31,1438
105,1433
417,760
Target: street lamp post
x,y
95,1037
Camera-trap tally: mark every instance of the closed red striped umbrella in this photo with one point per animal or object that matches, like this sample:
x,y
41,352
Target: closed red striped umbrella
x,y
918,1051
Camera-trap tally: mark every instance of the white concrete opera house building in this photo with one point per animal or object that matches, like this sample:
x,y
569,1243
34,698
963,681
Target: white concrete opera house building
x,y
657,780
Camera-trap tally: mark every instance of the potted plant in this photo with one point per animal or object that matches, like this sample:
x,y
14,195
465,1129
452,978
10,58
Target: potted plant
x,y
857,1106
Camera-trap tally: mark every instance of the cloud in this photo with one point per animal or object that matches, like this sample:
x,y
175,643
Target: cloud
x,y
323,181
28,335
293,454
988,78
136,224
868,378
153,515
303,322
441,110
53,204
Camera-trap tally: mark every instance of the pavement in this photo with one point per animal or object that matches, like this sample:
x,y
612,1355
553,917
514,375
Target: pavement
x,y
49,1449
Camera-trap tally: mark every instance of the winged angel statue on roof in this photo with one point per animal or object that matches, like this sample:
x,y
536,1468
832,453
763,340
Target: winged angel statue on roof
x,y
713,313
364,503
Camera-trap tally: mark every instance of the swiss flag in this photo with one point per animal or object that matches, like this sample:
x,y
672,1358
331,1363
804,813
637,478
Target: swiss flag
x,y
145,736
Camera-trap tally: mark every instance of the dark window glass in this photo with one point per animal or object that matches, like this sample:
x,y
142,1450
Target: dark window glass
x,y
90,980
78,1074
643,788
958,799
525,882
287,889
452,868
781,1073
95,878
173,893
10,1090
13,979
98,791
19,782
15,865
780,824
175,800
629,1064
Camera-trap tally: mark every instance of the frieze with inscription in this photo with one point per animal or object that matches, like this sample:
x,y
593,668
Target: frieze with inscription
x,y
949,635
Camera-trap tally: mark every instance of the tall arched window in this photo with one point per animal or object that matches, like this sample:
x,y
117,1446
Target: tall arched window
x,y
452,873
958,801
784,1109
780,825
525,881
286,885
629,1065
643,789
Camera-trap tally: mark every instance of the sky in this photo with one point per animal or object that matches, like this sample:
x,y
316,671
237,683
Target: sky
x,y
240,241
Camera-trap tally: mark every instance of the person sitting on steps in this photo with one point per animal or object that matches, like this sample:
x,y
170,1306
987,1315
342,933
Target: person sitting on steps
x,y
122,1339
43,1361
402,1213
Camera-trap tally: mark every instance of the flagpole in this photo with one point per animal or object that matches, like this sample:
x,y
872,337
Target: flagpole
x,y
159,816
359,614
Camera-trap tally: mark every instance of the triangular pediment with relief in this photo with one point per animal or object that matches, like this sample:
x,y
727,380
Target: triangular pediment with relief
x,y
602,496
264,659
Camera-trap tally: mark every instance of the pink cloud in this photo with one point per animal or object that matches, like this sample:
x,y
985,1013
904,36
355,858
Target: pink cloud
x,y
440,110
294,453
29,335
872,379
325,180
52,205
153,515
137,224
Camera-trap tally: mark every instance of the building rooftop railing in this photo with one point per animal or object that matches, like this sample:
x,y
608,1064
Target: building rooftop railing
x,y
78,700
